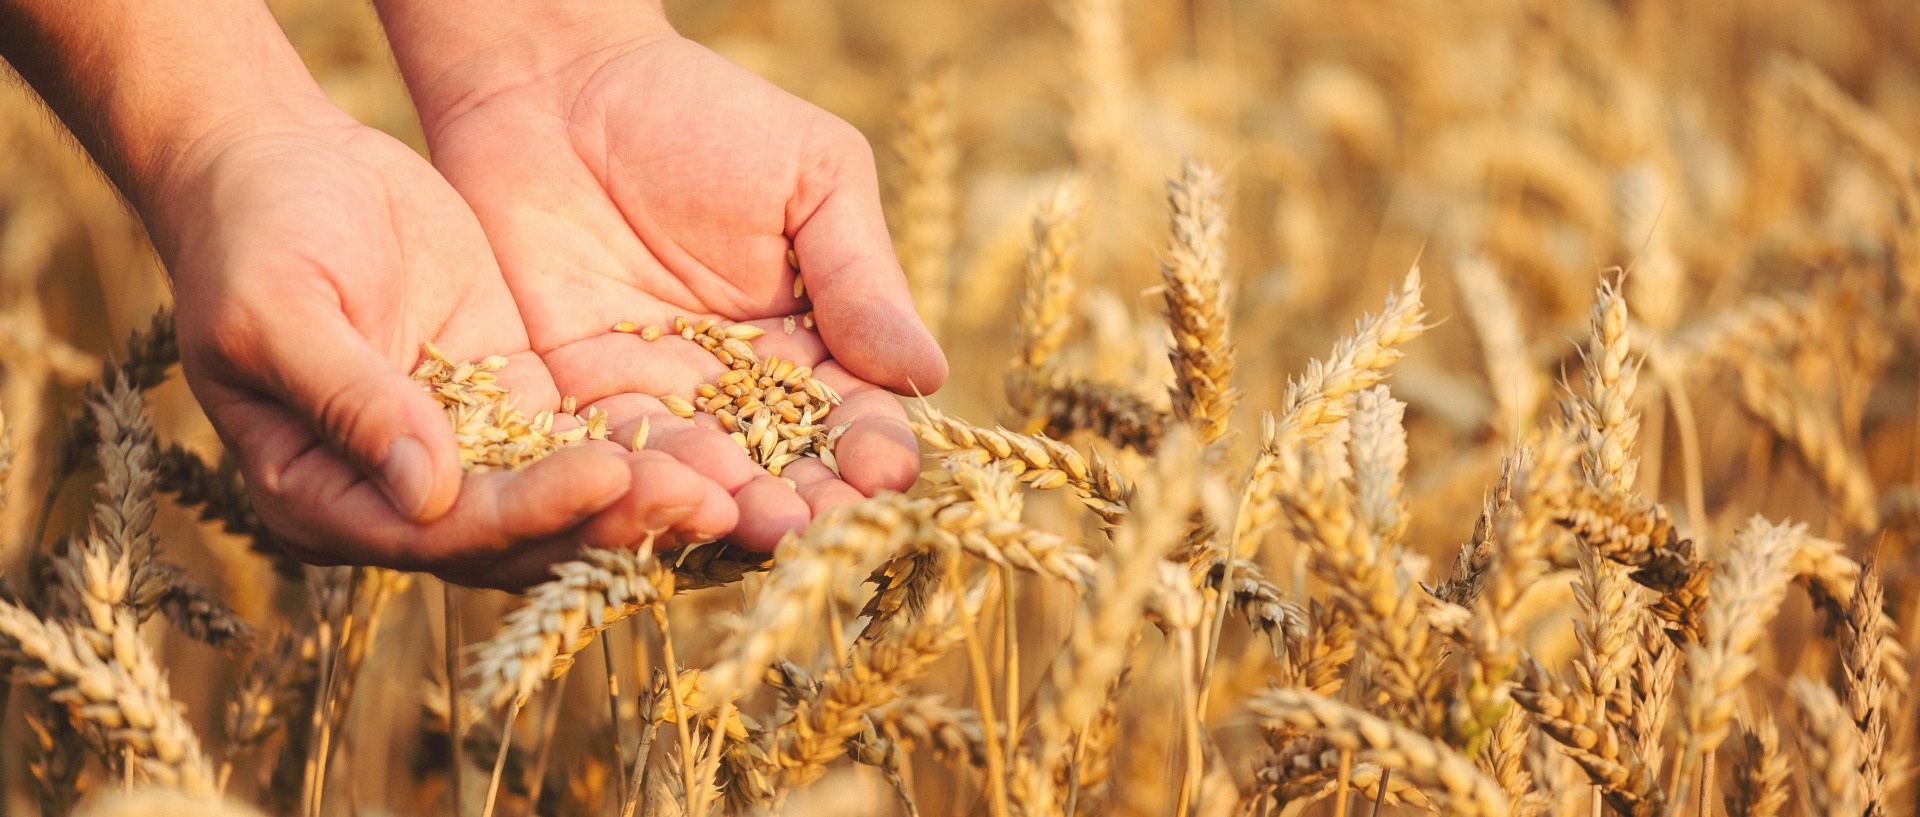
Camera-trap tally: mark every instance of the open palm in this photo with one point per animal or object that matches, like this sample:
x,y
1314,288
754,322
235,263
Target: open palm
x,y
656,179
310,268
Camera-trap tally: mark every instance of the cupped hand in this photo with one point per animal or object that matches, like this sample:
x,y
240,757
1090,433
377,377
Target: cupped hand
x,y
649,178
311,260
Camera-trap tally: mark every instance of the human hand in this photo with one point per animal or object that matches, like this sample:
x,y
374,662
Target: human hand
x,y
638,176
311,258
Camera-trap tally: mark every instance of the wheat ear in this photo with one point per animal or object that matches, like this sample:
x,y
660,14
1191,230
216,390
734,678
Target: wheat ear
x,y
1830,747
1194,270
112,686
930,155
1760,781
561,617
1436,767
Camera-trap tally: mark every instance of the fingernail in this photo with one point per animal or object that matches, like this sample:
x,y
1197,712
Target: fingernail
x,y
407,476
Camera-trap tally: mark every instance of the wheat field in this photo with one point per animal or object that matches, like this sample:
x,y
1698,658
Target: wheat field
x,y
1479,408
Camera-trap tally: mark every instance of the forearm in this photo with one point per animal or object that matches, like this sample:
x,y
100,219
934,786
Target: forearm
x,y
455,53
140,84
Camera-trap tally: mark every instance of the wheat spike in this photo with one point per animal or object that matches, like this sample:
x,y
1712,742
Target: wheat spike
x,y
1743,596
1044,462
1869,697
1830,745
1046,302
1760,785
1324,394
1511,378
1438,769
930,155
1590,740
1194,269
561,617
113,688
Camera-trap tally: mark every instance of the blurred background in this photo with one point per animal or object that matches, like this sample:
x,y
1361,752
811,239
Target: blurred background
x,y
1749,164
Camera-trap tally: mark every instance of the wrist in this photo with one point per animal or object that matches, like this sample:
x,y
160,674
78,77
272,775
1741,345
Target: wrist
x,y
454,56
141,85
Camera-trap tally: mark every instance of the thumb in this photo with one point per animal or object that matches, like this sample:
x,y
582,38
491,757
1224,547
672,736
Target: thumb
x,y
366,408
861,304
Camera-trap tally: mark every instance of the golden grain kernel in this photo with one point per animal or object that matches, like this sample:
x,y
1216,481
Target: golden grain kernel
x,y
741,439
706,390
706,341
1048,479
678,405
727,420
750,405
799,286
780,372
680,324
744,331
736,390
807,320
650,333
773,394
687,333
719,402
729,378
625,326
789,414
793,260
568,404
726,358
640,434
704,325
739,348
